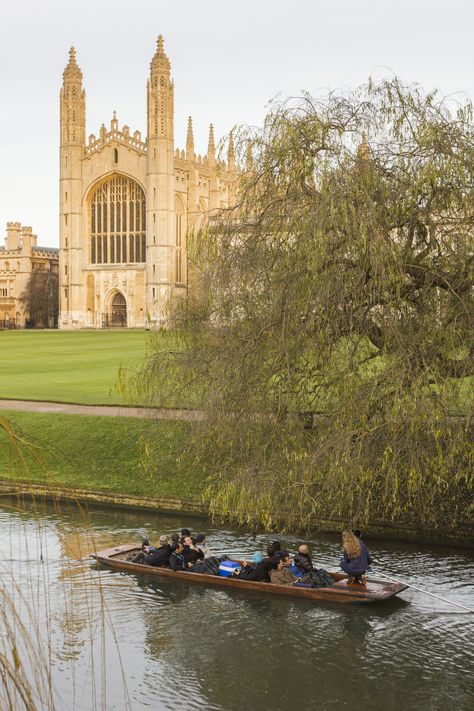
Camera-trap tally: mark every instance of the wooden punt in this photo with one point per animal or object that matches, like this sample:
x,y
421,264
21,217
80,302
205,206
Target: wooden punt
x,y
340,592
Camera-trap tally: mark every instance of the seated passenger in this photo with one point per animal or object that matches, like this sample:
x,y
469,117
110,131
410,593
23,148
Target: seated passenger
x,y
174,539
273,548
177,559
258,570
191,553
356,558
201,543
303,560
160,557
184,533
280,574
143,555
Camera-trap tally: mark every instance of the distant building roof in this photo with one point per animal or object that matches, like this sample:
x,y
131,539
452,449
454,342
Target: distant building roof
x,y
51,250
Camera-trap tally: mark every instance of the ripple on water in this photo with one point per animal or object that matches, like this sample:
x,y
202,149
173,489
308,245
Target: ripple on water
x,y
190,647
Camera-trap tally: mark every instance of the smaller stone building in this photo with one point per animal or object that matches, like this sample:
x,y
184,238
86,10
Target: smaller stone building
x,y
18,259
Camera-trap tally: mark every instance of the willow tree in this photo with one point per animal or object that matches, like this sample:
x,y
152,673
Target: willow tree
x,y
331,349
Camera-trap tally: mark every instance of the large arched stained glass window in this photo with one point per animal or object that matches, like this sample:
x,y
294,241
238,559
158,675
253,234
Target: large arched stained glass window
x,y
118,222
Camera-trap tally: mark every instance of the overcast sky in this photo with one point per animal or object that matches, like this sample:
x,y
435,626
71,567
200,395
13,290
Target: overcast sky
x,y
228,59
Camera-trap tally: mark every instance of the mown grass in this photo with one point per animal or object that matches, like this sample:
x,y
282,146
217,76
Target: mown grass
x,y
67,366
102,453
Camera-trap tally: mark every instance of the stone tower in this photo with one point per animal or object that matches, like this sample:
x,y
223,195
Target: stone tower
x,y
73,130
160,181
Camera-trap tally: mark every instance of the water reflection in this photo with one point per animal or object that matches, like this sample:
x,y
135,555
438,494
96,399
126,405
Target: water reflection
x,y
133,641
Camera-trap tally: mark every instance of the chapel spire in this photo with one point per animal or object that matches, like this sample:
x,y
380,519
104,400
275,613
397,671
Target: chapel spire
x,y
190,140
363,152
211,147
72,72
160,91
160,64
72,104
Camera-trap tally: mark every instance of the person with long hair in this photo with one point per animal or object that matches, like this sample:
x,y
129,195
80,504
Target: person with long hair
x,y
356,558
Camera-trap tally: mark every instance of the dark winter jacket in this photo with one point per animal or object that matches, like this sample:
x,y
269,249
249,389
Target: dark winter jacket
x,y
303,562
357,566
177,562
258,572
191,556
208,566
159,557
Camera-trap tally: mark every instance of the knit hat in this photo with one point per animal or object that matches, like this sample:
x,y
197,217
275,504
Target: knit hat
x,y
257,557
163,540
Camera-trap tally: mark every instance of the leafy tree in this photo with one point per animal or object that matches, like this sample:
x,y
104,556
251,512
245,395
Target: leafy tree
x,y
41,298
332,347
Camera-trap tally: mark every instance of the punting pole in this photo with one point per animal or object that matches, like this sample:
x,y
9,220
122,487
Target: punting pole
x,y
425,592
239,553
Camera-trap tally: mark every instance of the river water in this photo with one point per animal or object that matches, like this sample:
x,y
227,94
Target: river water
x,y
113,640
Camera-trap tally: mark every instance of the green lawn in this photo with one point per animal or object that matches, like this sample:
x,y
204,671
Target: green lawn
x,y
102,453
67,366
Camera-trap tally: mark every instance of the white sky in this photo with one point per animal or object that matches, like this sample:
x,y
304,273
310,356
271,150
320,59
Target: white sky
x,y
228,59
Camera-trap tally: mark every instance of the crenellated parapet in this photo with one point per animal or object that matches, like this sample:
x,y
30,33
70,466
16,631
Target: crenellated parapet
x,y
46,252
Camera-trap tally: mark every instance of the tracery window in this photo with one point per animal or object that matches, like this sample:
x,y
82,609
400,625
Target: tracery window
x,y
118,222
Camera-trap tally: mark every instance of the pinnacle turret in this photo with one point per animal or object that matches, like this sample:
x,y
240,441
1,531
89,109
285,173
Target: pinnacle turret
x,y
160,63
72,72
363,152
190,140
211,147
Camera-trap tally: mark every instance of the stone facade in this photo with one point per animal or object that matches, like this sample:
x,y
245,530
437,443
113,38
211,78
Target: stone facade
x,y
126,205
18,259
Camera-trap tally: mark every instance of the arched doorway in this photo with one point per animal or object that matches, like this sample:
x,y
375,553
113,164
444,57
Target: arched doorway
x,y
118,311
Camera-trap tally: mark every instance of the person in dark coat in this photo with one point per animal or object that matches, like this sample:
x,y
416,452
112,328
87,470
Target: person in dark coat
x,y
303,560
356,558
191,553
258,570
177,559
160,557
273,548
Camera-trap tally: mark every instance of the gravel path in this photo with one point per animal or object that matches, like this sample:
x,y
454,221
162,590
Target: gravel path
x,y
63,408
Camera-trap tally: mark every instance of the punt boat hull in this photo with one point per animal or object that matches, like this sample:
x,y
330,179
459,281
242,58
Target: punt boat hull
x,y
340,592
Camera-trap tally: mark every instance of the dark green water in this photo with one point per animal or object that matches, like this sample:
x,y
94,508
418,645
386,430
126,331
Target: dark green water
x,y
115,641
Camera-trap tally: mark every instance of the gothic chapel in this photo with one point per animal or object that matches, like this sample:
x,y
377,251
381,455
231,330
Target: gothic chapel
x,y
126,203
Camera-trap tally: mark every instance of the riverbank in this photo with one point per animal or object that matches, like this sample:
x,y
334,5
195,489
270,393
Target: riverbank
x,y
101,454
164,505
